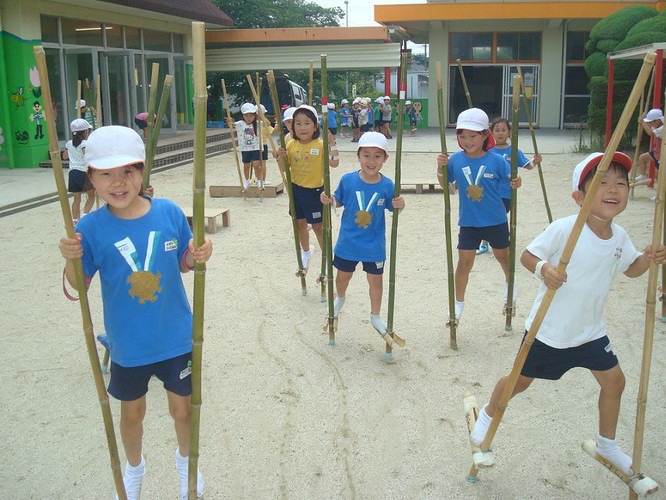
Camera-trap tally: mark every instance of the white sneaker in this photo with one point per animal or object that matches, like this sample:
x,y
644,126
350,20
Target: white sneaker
x,y
246,183
267,182
305,258
653,198
641,178
259,186
132,480
182,468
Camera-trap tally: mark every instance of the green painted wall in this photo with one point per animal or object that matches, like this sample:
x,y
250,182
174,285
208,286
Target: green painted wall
x,y
20,105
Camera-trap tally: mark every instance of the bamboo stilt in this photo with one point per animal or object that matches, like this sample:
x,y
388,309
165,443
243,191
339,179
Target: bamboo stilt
x,y
98,109
509,307
452,323
328,239
648,339
402,91
260,123
287,171
233,135
200,101
663,279
154,135
464,82
311,85
78,98
639,136
536,150
569,247
155,73
91,347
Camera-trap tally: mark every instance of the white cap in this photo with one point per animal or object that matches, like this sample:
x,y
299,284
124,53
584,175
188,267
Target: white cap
x,y
387,98
79,125
80,104
263,108
379,100
248,108
309,108
408,102
654,114
373,140
114,146
331,105
358,99
584,167
288,114
473,119
344,101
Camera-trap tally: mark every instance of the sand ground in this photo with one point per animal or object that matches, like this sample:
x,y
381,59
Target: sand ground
x,y
284,414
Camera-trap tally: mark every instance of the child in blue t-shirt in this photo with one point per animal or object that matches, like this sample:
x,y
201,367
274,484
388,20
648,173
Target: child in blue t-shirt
x,y
332,118
366,194
478,174
139,246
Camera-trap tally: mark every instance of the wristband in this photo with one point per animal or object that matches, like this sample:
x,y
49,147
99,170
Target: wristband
x,y
189,268
538,268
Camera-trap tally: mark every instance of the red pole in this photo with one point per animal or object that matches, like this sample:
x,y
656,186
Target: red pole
x,y
656,103
387,81
609,100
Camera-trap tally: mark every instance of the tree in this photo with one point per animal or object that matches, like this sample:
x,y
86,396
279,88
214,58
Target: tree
x,y
279,13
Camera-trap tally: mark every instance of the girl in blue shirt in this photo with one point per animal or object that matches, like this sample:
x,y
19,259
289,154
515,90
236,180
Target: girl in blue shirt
x,y
139,246
478,174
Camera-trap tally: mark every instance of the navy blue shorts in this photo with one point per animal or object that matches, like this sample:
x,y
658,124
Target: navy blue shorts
x,y
365,128
507,204
349,266
469,238
550,363
307,202
141,123
333,130
78,181
131,383
250,156
656,160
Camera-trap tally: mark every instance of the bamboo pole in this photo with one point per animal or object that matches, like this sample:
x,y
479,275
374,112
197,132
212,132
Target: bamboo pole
x,y
287,171
464,82
232,129
569,248
639,136
509,310
152,98
326,215
154,136
663,278
78,99
402,91
648,339
311,85
328,238
54,152
200,100
452,323
536,149
98,102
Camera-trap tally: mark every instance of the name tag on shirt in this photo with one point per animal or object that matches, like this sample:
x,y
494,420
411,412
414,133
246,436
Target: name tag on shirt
x,y
314,151
488,176
380,203
170,245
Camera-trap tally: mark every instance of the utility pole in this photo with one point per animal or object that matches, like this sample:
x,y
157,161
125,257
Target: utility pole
x,y
347,13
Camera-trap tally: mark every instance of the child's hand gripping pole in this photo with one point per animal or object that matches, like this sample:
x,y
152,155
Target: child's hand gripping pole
x,y
569,248
54,152
287,171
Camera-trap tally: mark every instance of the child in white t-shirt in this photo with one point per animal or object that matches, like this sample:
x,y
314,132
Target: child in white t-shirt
x,y
573,333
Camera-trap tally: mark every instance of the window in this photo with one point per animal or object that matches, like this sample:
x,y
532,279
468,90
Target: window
x,y
77,32
179,44
114,36
156,40
495,47
133,38
576,41
49,29
576,92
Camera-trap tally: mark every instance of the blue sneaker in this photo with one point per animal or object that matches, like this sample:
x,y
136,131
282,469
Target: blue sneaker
x,y
482,249
103,339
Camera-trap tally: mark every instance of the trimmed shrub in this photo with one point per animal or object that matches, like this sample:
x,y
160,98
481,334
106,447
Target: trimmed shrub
x,y
590,46
628,69
618,24
607,45
596,65
654,24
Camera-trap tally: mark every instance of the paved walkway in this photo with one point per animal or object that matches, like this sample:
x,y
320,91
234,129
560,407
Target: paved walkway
x,y
20,185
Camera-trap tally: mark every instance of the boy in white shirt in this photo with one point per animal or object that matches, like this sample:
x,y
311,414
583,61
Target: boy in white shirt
x,y
573,333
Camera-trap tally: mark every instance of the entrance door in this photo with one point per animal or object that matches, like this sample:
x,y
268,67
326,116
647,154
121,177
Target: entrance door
x,y
80,64
118,88
531,76
485,89
166,68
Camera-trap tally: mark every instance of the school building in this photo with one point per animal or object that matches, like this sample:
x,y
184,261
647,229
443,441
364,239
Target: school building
x,y
116,41
545,38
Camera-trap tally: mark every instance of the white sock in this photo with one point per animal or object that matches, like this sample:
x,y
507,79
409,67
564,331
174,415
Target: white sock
x,y
337,305
480,430
459,307
515,291
305,257
377,323
182,465
609,449
133,478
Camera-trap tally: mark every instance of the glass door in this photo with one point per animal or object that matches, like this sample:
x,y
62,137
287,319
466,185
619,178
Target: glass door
x,y
531,77
118,95
80,64
61,112
166,63
180,84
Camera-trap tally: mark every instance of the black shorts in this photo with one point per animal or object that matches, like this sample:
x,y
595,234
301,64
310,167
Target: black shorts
x,y
349,266
308,203
131,383
378,123
250,156
469,238
265,155
550,363
507,204
141,123
333,131
656,160
365,128
78,181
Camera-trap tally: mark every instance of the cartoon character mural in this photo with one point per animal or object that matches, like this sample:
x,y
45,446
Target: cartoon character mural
x,y
37,117
17,98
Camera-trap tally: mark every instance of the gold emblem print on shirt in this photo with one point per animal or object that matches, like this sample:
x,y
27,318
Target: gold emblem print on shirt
x,y
363,219
144,285
474,192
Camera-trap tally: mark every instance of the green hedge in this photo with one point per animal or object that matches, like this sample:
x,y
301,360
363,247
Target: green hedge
x,y
596,65
618,24
628,69
653,24
599,91
607,45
